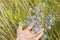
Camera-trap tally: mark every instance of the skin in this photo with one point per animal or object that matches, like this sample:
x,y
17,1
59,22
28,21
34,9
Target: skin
x,y
27,34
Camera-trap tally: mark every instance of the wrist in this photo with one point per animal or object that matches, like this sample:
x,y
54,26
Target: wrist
x,y
17,38
20,39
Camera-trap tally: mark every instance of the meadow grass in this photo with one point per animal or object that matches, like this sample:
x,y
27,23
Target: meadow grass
x,y
14,11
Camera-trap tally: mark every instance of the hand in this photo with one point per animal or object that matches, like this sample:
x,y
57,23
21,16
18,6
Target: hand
x,y
27,34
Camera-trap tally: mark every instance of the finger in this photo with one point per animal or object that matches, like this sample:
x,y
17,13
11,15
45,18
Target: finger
x,y
31,25
39,32
32,32
20,26
39,35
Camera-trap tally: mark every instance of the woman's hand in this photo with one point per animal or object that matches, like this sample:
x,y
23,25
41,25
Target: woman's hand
x,y
27,34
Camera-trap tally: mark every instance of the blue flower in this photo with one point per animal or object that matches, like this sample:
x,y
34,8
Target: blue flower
x,y
36,28
42,15
33,18
27,23
44,36
30,9
49,27
43,5
36,10
28,18
38,20
50,19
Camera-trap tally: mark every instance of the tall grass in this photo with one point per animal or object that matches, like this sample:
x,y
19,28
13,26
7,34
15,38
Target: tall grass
x,y
14,11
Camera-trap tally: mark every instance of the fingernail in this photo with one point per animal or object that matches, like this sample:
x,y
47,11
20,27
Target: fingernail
x,y
20,23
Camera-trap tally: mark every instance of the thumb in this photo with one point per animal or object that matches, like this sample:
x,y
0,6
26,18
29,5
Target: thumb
x,y
20,26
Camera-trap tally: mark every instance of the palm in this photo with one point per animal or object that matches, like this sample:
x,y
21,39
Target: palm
x,y
27,34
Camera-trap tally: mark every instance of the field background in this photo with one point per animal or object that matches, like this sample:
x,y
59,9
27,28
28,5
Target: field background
x,y
14,11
